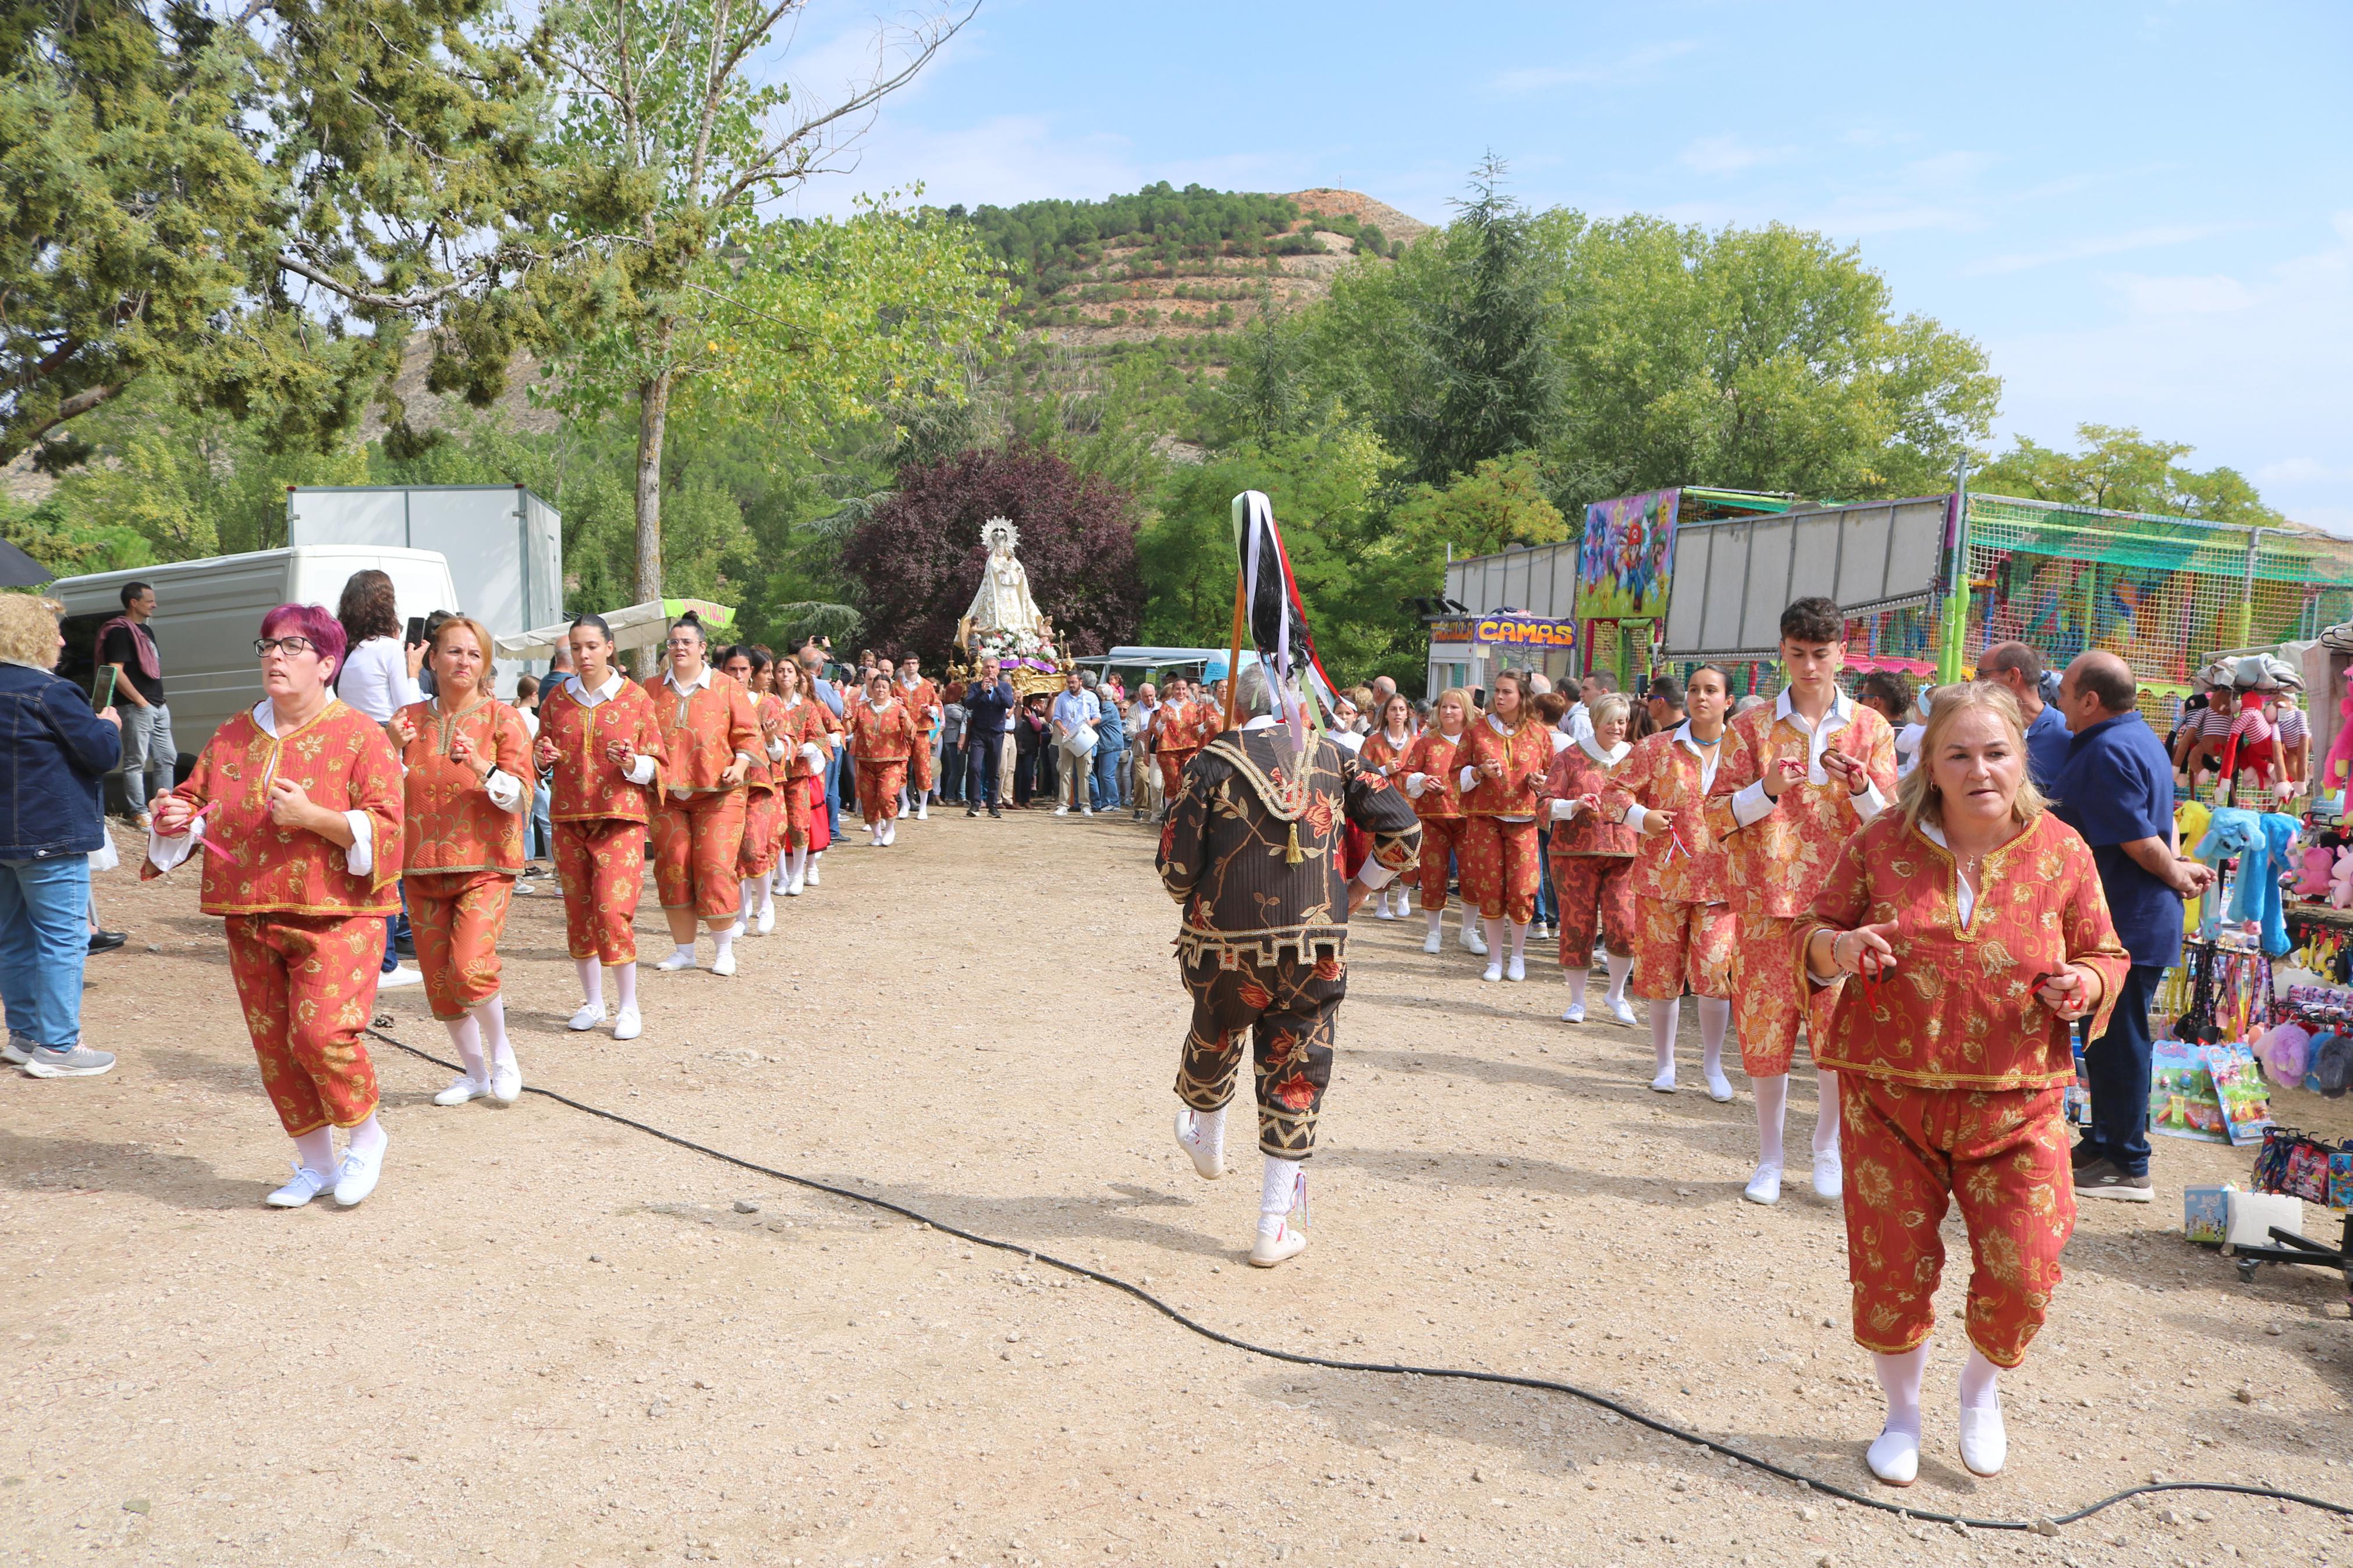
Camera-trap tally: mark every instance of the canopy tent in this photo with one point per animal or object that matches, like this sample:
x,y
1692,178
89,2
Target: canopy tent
x,y
638,627
18,570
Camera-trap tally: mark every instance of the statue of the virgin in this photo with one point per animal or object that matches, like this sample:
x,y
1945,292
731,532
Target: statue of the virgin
x,y
1003,615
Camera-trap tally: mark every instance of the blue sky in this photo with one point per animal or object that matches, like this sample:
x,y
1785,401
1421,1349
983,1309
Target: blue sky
x,y
2144,212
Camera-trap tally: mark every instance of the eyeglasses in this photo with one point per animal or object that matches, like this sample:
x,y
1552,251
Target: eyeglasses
x,y
686,642
290,646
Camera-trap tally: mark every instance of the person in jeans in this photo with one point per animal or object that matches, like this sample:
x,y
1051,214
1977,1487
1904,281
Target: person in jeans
x,y
379,680
952,718
53,752
128,645
2117,790
988,713
1110,753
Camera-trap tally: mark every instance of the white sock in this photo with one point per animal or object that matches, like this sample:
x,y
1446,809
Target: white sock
x,y
799,867
492,1012
684,953
1714,1014
1209,1131
1664,1018
1575,978
1772,1102
467,1035
1520,939
1980,1383
1900,1377
1470,916
766,883
723,939
591,982
1437,921
1494,934
747,898
625,985
1826,1119
1278,1193
316,1149
1621,965
367,1138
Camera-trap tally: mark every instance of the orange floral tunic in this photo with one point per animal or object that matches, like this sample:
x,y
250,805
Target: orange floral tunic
x,y
589,786
1186,727
804,724
1575,774
453,825
343,763
1376,755
703,730
1662,775
758,779
1958,1011
1777,863
920,698
1526,756
1432,753
883,735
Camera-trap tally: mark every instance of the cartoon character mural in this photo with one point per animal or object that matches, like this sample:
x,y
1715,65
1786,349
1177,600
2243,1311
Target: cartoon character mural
x,y
1626,557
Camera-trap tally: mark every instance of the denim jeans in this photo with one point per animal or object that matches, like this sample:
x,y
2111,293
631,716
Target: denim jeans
x,y
2117,1069
538,832
833,794
1109,769
952,772
44,942
148,752
1547,901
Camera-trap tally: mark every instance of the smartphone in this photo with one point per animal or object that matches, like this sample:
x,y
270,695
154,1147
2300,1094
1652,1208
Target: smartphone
x,y
416,630
101,688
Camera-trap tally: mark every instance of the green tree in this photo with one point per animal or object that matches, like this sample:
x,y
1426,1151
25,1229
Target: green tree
x,y
675,131
2122,470
257,207
1500,502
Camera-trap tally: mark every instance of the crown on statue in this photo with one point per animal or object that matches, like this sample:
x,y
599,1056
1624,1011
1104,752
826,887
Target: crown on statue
x,y
999,529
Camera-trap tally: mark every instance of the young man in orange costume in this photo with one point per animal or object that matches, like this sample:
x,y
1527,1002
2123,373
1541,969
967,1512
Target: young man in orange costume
x,y
1798,775
923,699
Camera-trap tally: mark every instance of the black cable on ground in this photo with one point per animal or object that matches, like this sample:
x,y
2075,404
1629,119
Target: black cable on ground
x,y
2047,1525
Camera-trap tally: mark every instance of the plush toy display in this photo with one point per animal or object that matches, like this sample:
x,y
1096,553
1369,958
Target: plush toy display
x,y
2340,749
2340,882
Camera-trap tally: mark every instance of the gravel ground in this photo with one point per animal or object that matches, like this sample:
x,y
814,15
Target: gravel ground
x,y
550,1339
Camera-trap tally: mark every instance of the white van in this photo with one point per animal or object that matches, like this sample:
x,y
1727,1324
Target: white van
x,y
209,612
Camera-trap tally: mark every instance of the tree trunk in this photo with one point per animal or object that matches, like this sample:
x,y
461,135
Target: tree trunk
x,y
653,414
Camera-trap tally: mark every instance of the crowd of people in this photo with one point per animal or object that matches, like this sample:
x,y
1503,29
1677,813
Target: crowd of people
x,y
1931,895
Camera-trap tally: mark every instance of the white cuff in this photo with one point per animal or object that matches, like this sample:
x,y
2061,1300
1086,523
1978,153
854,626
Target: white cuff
x,y
810,753
505,790
167,853
1634,818
1374,875
1752,804
1564,810
1470,779
1415,783
360,858
776,749
640,769
1870,803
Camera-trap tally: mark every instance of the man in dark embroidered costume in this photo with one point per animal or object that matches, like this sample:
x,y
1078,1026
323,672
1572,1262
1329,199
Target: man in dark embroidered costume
x,y
1251,850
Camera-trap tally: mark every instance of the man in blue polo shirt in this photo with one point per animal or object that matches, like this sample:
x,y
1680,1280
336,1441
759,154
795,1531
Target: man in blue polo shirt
x,y
2117,790
2018,669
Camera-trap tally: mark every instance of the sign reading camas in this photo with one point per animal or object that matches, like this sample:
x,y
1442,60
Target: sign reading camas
x,y
1504,630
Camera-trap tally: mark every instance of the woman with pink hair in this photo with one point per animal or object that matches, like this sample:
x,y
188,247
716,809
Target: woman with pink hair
x,y
297,806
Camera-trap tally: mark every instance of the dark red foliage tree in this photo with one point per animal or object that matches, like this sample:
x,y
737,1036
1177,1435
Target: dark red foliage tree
x,y
918,555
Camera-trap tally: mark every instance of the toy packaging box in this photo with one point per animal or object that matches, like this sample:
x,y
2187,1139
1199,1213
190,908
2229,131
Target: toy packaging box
x,y
2206,1213
2240,1092
2181,1099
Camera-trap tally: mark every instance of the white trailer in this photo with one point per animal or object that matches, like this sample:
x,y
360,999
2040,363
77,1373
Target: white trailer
x,y
209,612
504,546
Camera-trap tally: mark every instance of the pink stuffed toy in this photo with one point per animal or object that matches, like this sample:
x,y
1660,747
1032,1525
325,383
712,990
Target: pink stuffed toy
x,y
2340,749
2312,876
2340,882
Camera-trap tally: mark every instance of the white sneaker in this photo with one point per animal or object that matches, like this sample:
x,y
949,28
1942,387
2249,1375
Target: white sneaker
x,y
1518,967
1621,1010
736,933
1573,1014
1828,1170
591,1014
1894,1458
1434,943
358,1176
726,963
1381,910
1472,942
1086,811
627,1024
1665,1082
1494,969
793,889
307,1185
506,1081
399,975
811,875
679,958
1764,1186
1286,1240
767,921
1061,811
1985,1445
1719,1088
1205,1161
462,1088
923,811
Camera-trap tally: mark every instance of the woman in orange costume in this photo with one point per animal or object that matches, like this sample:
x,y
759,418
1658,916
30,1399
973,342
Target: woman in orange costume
x,y
755,862
1975,924
1593,858
882,730
801,727
1503,759
1181,728
1684,930
710,740
297,802
1384,752
1428,771
468,762
603,736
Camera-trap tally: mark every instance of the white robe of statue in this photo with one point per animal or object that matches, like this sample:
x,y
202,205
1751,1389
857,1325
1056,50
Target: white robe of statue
x,y
1002,602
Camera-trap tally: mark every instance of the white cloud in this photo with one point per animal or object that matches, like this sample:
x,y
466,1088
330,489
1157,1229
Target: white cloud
x,y
1634,67
1729,154
2214,295
2096,245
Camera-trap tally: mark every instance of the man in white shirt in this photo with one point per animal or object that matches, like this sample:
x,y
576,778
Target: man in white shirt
x,y
1076,711
1145,792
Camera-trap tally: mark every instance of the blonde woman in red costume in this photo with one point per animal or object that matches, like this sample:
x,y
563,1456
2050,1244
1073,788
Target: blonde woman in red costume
x,y
1431,783
1593,858
1499,766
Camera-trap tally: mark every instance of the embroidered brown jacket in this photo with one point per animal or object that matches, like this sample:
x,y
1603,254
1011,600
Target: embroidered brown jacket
x,y
1252,848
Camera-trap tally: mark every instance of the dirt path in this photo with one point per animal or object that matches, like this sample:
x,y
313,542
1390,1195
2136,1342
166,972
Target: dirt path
x,y
547,1339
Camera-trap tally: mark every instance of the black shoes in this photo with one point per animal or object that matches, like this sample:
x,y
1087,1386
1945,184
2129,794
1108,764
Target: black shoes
x,y
106,940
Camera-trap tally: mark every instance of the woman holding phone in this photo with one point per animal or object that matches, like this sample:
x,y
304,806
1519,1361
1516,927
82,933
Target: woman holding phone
x,y
467,789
